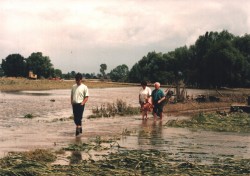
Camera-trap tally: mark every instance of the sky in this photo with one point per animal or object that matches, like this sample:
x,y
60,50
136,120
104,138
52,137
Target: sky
x,y
80,35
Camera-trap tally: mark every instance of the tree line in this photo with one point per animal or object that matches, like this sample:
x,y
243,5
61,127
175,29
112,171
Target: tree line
x,y
15,65
216,59
118,74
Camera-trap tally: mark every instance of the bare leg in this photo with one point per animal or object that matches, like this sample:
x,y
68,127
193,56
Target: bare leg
x,y
142,112
161,116
146,114
155,116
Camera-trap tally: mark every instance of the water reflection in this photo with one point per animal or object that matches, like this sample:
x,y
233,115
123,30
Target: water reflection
x,y
150,133
76,156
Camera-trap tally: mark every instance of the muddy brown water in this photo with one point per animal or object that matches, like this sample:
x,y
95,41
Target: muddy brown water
x,y
46,130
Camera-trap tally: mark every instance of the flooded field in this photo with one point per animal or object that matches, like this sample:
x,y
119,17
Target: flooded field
x,y
52,127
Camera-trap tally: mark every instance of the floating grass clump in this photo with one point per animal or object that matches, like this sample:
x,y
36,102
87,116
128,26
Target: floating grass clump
x,y
93,144
79,147
233,122
29,116
112,109
27,163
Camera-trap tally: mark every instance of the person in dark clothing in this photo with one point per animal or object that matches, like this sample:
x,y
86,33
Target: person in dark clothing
x,y
79,97
158,98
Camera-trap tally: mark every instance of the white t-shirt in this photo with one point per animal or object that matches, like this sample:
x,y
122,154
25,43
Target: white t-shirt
x,y
144,94
78,93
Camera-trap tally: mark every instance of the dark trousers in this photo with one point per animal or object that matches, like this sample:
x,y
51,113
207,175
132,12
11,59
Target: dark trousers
x,y
158,108
78,112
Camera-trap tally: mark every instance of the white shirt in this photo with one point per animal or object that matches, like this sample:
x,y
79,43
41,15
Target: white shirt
x,y
144,94
79,93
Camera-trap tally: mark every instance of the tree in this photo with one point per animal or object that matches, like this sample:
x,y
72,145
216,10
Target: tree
x,y
56,73
73,74
215,62
243,45
134,74
120,73
14,65
222,66
103,67
150,68
87,76
39,64
1,71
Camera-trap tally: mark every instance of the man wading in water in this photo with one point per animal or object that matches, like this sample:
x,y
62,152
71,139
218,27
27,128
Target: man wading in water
x,y
158,97
79,96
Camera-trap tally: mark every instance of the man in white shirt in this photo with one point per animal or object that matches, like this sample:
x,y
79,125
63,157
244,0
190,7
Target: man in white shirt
x,y
79,97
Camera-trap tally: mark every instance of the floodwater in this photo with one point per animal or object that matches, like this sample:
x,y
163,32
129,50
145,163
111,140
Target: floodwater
x,y
52,128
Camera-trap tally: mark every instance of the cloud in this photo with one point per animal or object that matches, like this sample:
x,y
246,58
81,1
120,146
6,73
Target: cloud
x,y
80,35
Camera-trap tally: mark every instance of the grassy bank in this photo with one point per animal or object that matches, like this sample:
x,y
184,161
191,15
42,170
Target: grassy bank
x,y
13,84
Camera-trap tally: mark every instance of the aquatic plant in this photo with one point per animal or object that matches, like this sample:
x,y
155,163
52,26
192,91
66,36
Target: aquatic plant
x,y
29,116
123,162
233,122
26,163
79,147
110,110
127,132
93,144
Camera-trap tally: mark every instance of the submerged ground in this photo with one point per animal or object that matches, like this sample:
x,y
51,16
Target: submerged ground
x,y
120,145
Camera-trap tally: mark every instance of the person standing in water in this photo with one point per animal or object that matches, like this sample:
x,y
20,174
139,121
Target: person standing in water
x,y
79,97
145,99
157,98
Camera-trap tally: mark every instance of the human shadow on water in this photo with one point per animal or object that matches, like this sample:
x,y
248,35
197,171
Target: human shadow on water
x,y
76,156
150,133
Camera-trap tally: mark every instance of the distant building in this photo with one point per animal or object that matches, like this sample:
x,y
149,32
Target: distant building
x,y
32,75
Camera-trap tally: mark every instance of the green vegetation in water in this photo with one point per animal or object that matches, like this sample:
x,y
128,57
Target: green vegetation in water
x,y
127,132
93,144
122,162
29,116
233,122
27,163
112,109
62,119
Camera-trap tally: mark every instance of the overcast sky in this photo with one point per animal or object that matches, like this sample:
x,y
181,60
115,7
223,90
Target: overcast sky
x,y
79,35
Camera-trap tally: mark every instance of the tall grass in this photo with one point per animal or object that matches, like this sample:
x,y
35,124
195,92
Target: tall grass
x,y
120,108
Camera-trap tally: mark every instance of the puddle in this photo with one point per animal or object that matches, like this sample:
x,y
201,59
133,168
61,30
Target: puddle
x,y
194,146
46,131
29,93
